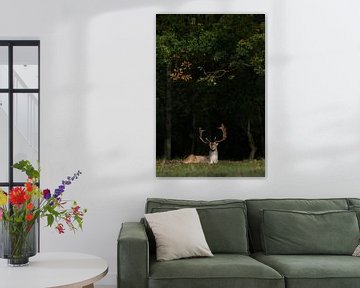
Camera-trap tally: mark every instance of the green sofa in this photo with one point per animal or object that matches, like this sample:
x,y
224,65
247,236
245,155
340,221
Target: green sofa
x,y
237,233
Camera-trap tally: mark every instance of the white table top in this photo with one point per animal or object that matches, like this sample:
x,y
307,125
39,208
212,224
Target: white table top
x,y
68,270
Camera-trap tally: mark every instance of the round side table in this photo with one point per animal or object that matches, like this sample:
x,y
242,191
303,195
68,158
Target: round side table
x,y
50,270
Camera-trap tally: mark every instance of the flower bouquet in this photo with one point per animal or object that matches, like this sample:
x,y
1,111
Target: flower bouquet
x,y
21,208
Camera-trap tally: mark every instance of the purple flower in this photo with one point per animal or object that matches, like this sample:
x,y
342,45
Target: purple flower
x,y
58,192
68,181
46,194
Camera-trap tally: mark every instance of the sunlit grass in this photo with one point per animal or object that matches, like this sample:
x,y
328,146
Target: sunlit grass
x,y
175,168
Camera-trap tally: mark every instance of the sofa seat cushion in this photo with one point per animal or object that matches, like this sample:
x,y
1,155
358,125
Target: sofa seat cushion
x,y
313,271
222,270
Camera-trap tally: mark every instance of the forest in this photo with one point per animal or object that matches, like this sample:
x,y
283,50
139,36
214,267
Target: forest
x,y
210,70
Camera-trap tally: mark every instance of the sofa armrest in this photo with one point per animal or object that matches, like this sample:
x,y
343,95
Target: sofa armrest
x,y
133,256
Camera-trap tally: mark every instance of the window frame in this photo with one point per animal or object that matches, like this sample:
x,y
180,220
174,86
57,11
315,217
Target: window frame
x,y
10,91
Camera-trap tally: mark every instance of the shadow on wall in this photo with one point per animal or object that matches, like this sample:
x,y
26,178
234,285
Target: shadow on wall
x,y
67,73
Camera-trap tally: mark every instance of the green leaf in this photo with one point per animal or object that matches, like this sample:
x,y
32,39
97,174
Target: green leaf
x,y
52,211
50,219
28,168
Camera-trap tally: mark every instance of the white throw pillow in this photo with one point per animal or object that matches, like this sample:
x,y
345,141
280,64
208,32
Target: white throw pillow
x,y
178,234
357,251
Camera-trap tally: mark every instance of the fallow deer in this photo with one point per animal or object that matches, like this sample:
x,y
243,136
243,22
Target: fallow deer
x,y
213,153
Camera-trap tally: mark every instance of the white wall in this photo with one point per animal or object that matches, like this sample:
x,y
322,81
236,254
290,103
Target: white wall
x,y
98,105
4,124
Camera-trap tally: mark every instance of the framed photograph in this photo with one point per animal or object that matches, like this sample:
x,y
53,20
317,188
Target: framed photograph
x,y
210,95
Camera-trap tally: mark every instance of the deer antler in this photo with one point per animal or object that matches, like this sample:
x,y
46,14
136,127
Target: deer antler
x,y
201,131
223,129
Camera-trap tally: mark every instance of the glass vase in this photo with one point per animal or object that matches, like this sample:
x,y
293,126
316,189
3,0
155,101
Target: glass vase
x,y
18,242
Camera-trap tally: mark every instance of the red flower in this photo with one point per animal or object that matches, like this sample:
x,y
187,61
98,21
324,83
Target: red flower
x,y
60,228
29,206
27,196
17,196
29,217
29,187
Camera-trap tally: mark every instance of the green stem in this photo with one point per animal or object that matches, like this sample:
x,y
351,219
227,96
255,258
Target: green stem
x,y
18,237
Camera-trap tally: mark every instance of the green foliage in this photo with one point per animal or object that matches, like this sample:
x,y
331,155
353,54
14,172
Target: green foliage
x,y
50,219
167,45
175,168
26,167
252,50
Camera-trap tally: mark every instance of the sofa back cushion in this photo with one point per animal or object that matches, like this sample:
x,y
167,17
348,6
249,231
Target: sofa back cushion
x,y
353,201
298,232
223,221
354,205
255,206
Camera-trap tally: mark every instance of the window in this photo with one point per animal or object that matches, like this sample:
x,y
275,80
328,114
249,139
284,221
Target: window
x,y
19,108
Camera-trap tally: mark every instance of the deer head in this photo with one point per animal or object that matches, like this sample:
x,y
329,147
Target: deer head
x,y
213,154
213,144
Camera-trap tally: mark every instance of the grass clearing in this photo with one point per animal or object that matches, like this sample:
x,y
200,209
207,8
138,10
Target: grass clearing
x,y
175,168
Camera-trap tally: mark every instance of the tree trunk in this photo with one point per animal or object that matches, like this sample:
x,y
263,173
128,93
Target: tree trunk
x,y
168,122
252,152
194,131
194,128
251,141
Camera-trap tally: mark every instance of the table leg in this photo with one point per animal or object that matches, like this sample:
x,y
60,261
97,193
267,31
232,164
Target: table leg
x,y
89,286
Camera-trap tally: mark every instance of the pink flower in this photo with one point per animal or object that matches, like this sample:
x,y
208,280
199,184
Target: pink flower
x,y
60,228
68,219
1,212
75,209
